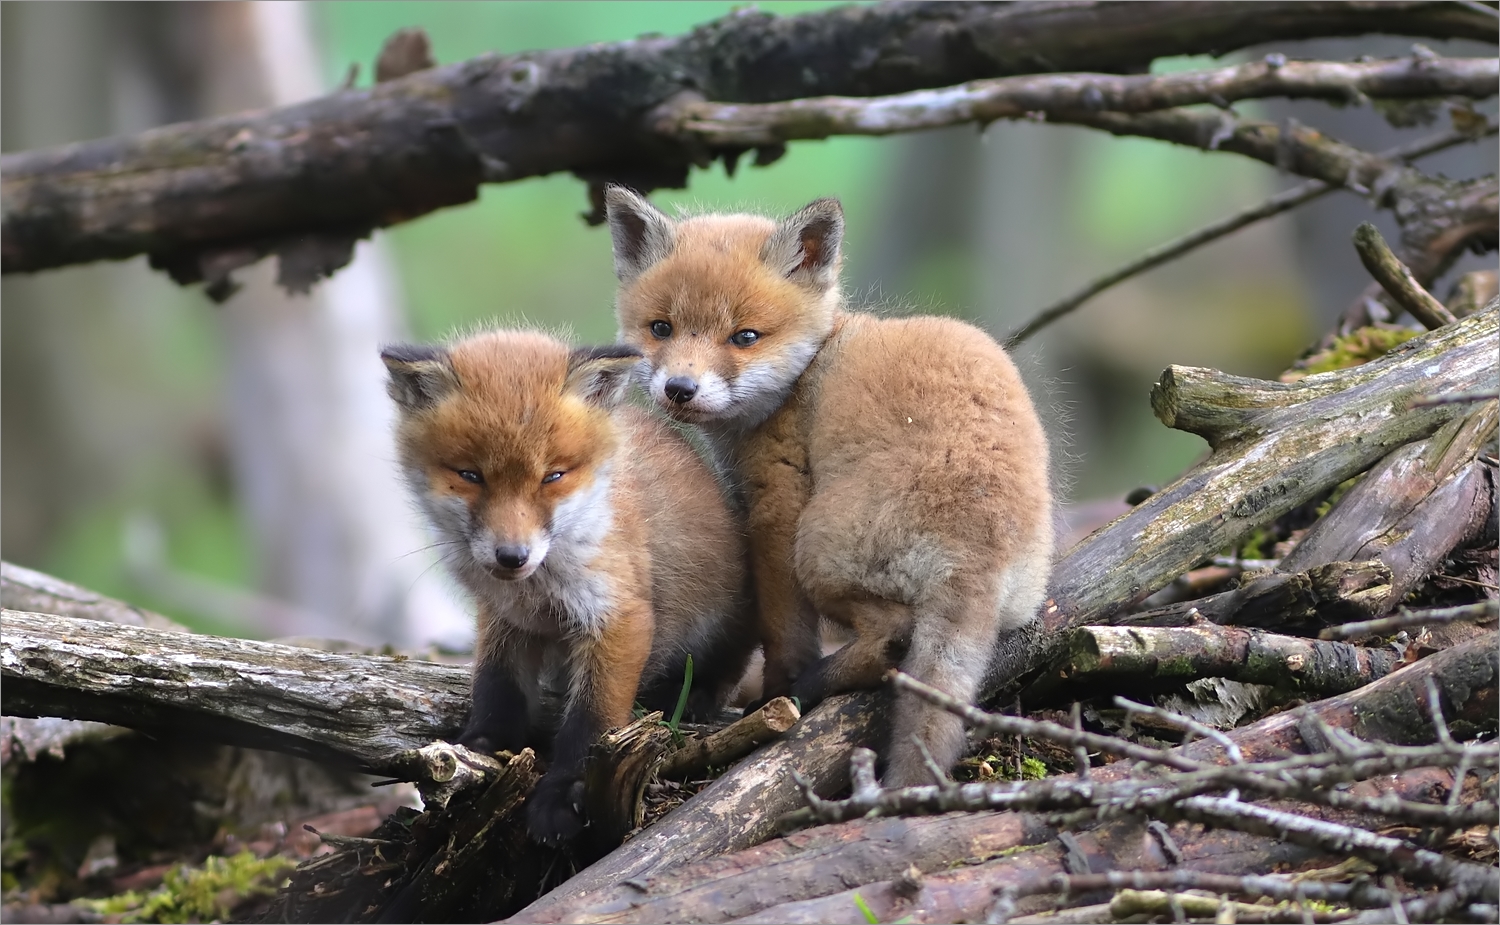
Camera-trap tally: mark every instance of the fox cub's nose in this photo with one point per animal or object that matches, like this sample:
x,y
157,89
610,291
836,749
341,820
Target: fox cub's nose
x,y
512,556
681,389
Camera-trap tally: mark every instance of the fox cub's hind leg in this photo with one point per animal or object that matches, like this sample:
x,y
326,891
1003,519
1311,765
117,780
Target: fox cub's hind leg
x,y
882,633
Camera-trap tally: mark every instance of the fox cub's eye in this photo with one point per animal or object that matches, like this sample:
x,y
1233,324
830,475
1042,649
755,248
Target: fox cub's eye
x,y
469,475
744,338
551,477
661,330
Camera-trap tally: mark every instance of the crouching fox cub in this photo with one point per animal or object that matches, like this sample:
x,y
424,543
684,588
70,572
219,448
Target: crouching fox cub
x,y
895,470
594,540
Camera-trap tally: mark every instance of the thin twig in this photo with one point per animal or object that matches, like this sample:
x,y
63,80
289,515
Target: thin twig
x,y
1483,610
1282,889
1455,398
1398,282
1277,204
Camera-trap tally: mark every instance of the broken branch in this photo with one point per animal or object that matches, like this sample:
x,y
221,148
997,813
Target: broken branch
x,y
1397,280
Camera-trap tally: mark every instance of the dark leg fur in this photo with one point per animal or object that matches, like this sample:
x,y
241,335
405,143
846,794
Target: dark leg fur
x,y
497,718
554,814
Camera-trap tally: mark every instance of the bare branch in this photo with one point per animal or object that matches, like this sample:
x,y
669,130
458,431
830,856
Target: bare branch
x,y
1277,204
1385,852
1482,611
1397,280
984,101
307,180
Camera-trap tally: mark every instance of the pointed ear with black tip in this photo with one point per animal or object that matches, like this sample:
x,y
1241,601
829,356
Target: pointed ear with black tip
x,y
639,233
805,247
420,375
601,375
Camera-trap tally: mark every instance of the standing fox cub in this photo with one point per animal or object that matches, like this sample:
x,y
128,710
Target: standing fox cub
x,y
895,470
594,540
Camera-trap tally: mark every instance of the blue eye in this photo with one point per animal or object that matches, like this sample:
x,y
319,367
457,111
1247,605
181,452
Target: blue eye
x,y
551,477
744,338
469,475
661,330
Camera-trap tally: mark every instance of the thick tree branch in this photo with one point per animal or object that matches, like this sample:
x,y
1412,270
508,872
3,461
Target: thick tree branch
x,y
344,709
1275,446
304,181
984,101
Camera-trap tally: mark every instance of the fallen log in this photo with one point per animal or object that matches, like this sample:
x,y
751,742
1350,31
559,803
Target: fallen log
x,y
304,181
736,811
1274,446
1100,659
808,866
348,710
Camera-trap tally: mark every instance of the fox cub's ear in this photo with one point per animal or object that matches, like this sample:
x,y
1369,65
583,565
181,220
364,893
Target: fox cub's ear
x,y
805,247
601,374
420,375
640,234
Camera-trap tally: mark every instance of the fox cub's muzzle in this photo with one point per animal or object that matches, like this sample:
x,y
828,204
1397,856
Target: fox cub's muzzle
x,y
681,389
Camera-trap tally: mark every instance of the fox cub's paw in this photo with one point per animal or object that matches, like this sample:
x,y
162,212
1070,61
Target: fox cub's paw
x,y
554,814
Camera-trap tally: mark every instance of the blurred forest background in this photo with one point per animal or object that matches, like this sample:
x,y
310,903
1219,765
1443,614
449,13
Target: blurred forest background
x,y
231,465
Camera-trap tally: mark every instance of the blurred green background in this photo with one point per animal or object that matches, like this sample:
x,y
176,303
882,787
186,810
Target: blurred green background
x,y
116,394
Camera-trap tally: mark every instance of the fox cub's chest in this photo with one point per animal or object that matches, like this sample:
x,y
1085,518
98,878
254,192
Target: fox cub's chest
x,y
562,598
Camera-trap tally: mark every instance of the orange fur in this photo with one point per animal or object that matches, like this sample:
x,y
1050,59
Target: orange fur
x,y
597,545
894,469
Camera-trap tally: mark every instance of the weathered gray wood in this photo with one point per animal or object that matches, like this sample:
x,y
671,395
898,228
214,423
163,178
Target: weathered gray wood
x,y
360,711
984,101
1139,659
305,180
1275,445
1414,507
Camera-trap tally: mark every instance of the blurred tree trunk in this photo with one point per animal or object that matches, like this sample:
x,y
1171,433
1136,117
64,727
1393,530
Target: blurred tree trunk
x,y
98,413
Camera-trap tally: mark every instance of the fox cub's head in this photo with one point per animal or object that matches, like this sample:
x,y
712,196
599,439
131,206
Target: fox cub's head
x,y
507,439
728,309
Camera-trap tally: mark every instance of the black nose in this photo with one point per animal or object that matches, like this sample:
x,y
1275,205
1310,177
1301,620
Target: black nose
x,y
511,556
681,389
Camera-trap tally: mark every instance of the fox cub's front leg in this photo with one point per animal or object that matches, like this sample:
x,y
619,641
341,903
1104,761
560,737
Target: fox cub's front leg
x,y
606,673
498,718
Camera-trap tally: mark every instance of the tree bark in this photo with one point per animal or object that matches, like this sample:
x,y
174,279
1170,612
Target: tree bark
x,y
305,180
360,711
1275,446
1139,659
808,876
1414,508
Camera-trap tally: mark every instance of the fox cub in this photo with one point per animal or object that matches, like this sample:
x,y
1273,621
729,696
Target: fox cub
x,y
895,470
595,542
